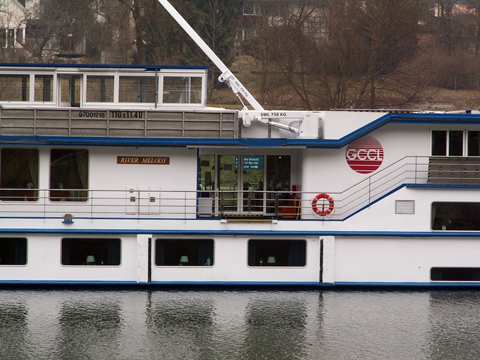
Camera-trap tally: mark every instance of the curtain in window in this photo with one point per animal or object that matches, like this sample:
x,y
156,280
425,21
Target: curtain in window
x,y
21,252
296,254
205,251
82,161
114,253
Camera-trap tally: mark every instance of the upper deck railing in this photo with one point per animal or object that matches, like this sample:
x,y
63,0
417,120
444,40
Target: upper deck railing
x,y
119,123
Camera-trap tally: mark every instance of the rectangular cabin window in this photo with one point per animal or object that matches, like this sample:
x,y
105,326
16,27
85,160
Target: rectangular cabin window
x,y
91,251
455,216
19,174
473,143
68,175
277,252
182,90
455,274
137,89
43,88
447,143
100,88
14,87
184,252
13,251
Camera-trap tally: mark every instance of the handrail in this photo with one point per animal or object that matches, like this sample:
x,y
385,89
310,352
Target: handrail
x,y
180,204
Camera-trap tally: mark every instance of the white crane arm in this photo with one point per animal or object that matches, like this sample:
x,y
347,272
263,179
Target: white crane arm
x,y
226,75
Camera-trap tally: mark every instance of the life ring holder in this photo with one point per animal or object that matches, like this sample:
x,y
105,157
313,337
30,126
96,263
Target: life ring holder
x,y
322,211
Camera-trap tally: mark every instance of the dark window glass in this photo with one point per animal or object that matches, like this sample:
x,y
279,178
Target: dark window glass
x,y
473,143
68,175
184,252
90,251
439,142
455,274
13,251
19,174
277,252
455,216
455,143
278,179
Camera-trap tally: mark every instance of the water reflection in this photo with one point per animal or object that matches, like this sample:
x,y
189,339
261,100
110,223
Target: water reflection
x,y
89,328
455,325
181,325
13,329
238,325
276,329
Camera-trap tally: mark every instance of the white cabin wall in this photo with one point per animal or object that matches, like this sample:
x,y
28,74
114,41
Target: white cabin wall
x,y
327,170
180,174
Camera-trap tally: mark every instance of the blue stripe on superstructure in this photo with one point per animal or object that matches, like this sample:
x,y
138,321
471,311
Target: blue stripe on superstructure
x,y
293,233
25,66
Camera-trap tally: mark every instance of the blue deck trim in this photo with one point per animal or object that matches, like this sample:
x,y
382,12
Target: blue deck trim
x,y
26,66
253,284
252,233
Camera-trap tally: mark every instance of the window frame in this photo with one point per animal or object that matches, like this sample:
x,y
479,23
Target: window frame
x,y
192,251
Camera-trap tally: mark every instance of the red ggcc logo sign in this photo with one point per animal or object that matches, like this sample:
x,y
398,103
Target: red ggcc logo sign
x,y
364,155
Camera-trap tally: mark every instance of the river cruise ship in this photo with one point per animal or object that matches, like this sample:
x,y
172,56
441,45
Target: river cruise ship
x,y
122,175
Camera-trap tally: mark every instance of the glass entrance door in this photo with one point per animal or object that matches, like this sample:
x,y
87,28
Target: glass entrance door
x,y
253,195
228,183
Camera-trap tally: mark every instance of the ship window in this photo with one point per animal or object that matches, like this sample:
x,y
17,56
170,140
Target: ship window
x,y
43,88
137,89
13,251
184,252
68,175
90,251
14,87
455,216
277,253
473,142
19,174
182,90
99,88
455,274
447,143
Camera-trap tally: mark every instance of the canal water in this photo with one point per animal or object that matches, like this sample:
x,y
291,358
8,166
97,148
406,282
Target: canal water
x,y
238,324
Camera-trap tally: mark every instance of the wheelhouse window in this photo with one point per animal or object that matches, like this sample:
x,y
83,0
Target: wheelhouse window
x,y
473,141
100,88
13,251
135,89
182,90
68,175
277,252
91,251
455,216
43,88
14,87
19,174
184,252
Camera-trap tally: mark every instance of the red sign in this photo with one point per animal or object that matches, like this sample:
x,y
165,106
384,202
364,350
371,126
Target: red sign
x,y
364,155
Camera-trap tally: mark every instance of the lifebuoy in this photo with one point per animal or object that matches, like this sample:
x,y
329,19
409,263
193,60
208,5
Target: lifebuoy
x,y
322,211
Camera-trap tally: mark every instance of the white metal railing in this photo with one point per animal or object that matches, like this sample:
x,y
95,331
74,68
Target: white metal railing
x,y
161,204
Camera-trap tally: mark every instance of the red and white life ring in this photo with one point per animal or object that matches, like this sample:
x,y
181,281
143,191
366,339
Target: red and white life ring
x,y
322,211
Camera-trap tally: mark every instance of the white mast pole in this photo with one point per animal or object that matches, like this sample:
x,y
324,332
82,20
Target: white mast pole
x,y
226,75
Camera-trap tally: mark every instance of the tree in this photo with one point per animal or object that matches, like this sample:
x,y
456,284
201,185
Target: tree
x,y
347,53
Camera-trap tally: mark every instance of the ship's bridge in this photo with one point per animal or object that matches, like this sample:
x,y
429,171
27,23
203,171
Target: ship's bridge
x,y
109,100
